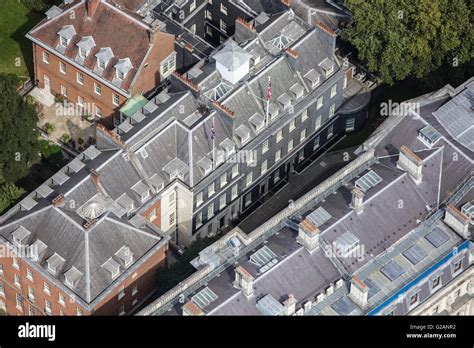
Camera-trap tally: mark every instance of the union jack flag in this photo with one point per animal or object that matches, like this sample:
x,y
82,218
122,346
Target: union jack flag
x,y
213,131
269,88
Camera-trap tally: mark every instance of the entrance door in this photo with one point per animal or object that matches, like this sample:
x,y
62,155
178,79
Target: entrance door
x,y
47,84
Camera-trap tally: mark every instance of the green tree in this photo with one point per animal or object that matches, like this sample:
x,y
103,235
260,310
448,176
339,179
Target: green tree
x,y
19,144
9,195
410,38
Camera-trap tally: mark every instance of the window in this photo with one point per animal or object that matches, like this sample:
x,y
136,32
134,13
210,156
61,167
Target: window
x,y
62,67
319,104
19,302
316,143
79,312
98,111
17,281
29,274
222,201
332,110
121,293
152,215
333,91
330,131
303,135
223,180
101,64
304,115
264,167
199,199
211,190
97,88
63,91
208,15
31,294
1,268
15,263
278,155
46,57
223,26
199,220
172,219
413,299
350,124
292,126
209,30
344,84
135,290
64,41
115,99
210,211
2,290
80,78
265,146
171,198
290,145
168,66
235,171
193,28
248,199
61,300
82,53
234,192
279,136
120,75
192,7
457,267
249,179
435,283
46,288
223,9
318,123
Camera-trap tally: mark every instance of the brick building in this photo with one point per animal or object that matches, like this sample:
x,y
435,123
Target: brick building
x,y
67,250
99,53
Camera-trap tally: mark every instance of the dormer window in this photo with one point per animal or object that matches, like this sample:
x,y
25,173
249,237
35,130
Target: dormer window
x,y
82,53
122,68
66,34
113,267
64,41
101,64
125,255
54,263
120,75
328,66
85,46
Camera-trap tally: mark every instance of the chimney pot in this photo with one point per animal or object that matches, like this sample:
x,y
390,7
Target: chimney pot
x,y
359,292
59,201
289,305
357,200
412,163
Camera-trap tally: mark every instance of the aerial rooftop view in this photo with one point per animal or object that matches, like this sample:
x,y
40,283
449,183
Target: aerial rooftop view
x,y
307,158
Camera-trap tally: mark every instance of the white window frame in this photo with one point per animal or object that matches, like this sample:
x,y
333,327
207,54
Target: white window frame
x,y
332,110
249,179
223,9
62,67
334,91
211,190
265,146
97,88
115,99
80,78
291,144
279,135
320,103
264,167
210,210
46,57
199,199
278,155
223,201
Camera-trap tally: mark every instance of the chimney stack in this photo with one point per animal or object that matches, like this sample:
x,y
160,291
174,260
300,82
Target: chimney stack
x,y
191,309
91,6
59,201
357,200
95,176
244,31
289,305
458,221
359,292
308,235
412,163
244,281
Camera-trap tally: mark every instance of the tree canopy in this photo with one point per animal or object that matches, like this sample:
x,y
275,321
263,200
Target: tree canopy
x,y
397,39
19,145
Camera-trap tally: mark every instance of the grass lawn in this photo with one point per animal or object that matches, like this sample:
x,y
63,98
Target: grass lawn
x,y
16,50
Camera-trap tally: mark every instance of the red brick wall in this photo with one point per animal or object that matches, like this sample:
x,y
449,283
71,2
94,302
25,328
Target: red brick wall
x,y
74,89
149,78
157,208
145,279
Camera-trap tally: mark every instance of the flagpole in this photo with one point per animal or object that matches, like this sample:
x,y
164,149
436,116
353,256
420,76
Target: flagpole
x,y
213,145
269,96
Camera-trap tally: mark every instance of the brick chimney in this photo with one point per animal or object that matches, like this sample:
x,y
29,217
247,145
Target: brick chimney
x,y
244,31
95,176
92,6
289,305
59,201
326,35
412,163
191,309
359,292
458,221
244,281
357,200
308,235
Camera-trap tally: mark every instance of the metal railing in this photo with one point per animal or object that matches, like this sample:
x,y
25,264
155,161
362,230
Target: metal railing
x,y
257,236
